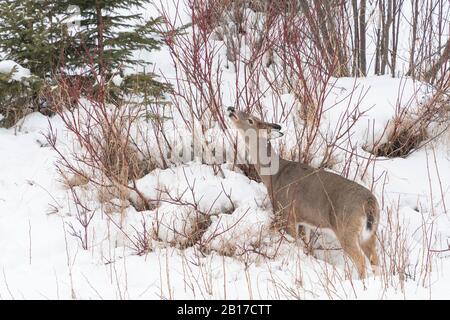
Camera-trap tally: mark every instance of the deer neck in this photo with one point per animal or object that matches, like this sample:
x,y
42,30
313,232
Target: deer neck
x,y
266,160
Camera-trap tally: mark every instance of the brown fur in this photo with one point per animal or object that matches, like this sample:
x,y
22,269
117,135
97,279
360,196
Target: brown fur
x,y
318,198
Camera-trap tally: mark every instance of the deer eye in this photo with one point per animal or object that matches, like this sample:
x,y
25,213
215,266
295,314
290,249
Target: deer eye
x,y
250,121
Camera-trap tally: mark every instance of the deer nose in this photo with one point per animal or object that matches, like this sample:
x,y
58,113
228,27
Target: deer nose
x,y
230,111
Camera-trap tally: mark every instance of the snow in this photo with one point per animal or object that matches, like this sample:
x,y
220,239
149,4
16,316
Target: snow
x,y
41,259
117,80
241,256
19,73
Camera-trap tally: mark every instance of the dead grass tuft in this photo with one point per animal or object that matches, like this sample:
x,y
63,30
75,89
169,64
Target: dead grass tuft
x,y
405,137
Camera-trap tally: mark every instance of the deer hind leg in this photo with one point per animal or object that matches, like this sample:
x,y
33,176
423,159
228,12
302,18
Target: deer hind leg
x,y
292,228
306,235
370,250
350,245
292,224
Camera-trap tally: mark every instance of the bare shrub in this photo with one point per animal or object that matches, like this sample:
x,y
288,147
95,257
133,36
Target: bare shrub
x,y
412,127
100,154
402,139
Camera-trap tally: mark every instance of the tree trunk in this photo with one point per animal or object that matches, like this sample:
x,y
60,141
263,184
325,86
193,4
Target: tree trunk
x,y
304,6
323,29
100,45
325,36
430,74
356,46
377,43
396,15
337,43
415,14
387,20
362,37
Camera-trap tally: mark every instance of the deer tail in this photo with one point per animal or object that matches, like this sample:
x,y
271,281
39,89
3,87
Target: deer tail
x,y
371,210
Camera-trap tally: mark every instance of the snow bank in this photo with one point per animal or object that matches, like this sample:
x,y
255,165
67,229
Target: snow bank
x,y
245,228
19,73
189,193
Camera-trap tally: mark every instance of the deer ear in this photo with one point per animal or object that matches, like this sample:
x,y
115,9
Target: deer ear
x,y
274,131
273,134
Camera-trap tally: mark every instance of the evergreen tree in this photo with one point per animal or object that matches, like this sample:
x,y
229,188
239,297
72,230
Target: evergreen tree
x,y
17,96
36,35
30,34
109,34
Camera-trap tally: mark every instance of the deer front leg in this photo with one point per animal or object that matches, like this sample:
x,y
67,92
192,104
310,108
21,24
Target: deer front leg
x,y
300,232
292,228
290,222
307,239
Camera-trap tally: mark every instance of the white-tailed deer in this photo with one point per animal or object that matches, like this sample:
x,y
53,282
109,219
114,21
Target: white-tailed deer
x,y
306,196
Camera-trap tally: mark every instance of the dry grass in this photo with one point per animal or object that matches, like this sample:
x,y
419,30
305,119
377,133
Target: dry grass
x,y
405,137
75,180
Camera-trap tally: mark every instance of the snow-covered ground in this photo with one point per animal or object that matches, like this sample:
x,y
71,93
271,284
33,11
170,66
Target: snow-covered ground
x,y
17,71
239,255
41,259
